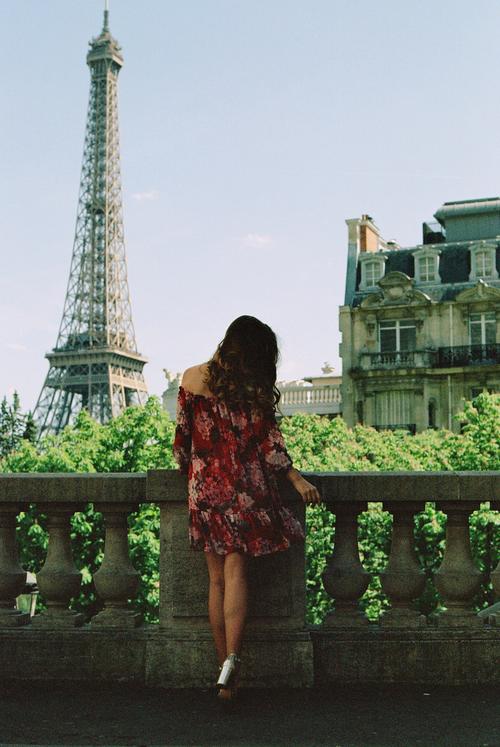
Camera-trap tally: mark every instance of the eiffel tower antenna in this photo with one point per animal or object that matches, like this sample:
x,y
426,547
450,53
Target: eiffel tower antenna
x,y
95,363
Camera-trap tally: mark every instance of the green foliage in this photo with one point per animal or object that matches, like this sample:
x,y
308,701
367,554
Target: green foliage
x,y
14,425
479,446
141,438
318,444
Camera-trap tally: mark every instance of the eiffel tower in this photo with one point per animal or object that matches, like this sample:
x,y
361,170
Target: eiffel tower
x,y
95,363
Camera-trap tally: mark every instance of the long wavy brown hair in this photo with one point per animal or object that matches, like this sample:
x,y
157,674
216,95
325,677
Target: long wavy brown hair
x,y
243,367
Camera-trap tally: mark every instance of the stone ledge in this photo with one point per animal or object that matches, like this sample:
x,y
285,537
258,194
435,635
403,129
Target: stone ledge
x,y
152,656
275,658
437,656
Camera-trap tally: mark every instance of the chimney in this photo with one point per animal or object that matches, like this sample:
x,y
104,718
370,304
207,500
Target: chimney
x,y
369,235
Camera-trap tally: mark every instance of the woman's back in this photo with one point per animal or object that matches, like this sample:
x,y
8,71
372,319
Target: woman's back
x,y
232,453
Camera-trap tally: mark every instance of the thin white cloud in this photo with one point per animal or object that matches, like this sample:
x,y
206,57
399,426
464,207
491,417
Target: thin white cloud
x,y
151,194
257,241
16,346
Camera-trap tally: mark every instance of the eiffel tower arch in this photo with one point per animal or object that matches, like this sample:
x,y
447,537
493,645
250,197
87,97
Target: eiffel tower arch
x,y
95,363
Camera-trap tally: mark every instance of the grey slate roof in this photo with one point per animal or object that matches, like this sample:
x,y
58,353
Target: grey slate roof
x,y
454,269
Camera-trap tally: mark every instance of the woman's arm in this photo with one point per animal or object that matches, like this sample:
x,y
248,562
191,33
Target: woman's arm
x,y
307,490
181,447
278,458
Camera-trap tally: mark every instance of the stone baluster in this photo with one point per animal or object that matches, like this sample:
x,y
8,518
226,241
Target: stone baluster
x,y
493,615
58,580
402,580
12,576
458,579
117,581
344,578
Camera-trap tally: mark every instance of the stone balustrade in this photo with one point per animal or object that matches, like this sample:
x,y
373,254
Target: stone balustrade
x,y
279,647
320,399
397,359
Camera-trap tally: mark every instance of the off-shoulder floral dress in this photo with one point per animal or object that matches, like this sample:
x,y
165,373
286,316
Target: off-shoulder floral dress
x,y
231,456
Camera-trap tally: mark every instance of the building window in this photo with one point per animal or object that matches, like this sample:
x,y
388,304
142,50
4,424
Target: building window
x,y
359,411
373,273
427,269
397,335
431,413
372,269
395,409
426,265
483,262
483,328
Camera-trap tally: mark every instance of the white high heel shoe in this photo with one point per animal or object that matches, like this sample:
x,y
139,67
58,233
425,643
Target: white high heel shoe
x,y
229,671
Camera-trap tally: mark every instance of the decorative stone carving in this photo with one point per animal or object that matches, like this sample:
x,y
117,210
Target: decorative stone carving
x,y
480,292
116,581
458,579
403,580
58,580
370,322
12,576
396,289
344,577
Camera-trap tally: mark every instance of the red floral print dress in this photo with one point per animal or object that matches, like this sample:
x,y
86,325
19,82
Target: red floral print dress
x,y
231,456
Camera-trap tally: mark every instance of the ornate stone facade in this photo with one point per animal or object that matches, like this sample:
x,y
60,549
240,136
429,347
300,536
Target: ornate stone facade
x,y
420,325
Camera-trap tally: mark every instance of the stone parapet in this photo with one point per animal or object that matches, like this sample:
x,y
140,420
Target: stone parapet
x,y
279,648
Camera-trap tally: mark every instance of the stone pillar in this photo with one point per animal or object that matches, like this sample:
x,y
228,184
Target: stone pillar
x,y
403,580
458,579
116,581
12,576
276,648
344,578
58,580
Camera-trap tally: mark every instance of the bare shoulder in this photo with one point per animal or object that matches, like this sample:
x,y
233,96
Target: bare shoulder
x,y
193,376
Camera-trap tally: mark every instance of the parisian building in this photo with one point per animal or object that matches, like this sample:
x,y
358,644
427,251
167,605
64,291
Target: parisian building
x,y
420,325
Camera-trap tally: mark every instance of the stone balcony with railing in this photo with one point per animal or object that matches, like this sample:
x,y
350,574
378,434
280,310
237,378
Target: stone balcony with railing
x,y
324,399
457,356
397,359
279,648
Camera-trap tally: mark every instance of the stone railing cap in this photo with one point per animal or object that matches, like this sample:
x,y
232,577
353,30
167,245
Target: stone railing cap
x,y
73,487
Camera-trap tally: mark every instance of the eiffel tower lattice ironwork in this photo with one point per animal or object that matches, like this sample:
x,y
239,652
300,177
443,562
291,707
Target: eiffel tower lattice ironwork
x,y
95,363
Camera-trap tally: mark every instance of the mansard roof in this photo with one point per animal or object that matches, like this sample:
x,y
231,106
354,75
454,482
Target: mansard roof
x,y
454,268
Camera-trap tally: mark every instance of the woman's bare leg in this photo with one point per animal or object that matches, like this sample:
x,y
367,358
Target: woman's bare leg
x,y
215,565
235,599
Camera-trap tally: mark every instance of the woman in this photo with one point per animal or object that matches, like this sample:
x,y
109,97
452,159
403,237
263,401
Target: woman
x,y
229,444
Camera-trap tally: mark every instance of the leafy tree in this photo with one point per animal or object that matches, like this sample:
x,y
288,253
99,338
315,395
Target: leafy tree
x,y
12,425
138,439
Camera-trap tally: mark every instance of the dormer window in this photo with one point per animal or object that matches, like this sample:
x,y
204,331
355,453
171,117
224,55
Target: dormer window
x,y
427,265
427,269
372,269
483,261
484,264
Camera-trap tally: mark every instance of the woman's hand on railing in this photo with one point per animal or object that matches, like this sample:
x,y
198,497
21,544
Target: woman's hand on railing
x,y
308,491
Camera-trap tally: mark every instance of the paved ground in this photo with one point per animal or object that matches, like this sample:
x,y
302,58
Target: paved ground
x,y
375,716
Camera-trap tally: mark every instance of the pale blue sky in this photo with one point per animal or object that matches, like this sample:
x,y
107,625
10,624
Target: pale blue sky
x,y
250,130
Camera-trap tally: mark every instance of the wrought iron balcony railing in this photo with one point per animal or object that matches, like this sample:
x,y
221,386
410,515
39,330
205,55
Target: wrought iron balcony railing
x,y
468,355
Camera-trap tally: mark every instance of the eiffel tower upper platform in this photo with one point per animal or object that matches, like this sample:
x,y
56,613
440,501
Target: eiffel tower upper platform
x,y
95,363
